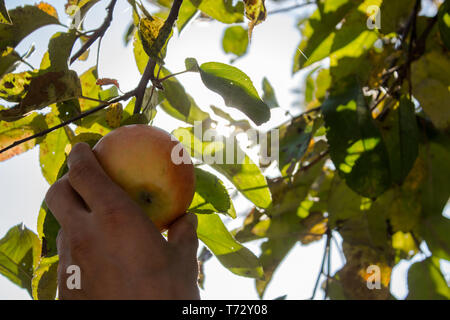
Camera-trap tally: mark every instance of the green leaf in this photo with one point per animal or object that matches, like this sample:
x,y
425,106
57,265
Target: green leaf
x,y
187,12
211,196
231,254
319,31
430,86
238,169
434,230
14,131
236,89
52,151
221,10
444,23
8,61
140,56
402,139
4,16
394,14
25,20
273,251
44,90
426,282
45,280
108,94
235,40
19,252
269,94
59,50
356,145
48,228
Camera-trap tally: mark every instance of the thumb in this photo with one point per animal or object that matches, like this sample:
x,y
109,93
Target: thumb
x,y
183,233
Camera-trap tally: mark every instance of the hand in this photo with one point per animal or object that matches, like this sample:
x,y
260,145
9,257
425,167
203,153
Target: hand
x,y
120,253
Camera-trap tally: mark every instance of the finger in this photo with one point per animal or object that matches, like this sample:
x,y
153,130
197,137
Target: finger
x,y
91,182
65,204
183,233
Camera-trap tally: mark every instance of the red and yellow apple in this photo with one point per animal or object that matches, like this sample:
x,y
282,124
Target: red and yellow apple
x,y
138,158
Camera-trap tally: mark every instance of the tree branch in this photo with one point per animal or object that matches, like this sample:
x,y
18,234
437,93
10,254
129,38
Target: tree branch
x,y
161,39
100,32
65,123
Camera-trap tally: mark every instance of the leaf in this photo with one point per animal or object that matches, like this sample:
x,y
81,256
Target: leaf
x,y
430,87
108,94
318,29
211,196
356,145
273,251
25,20
8,61
21,129
231,254
187,12
434,230
238,169
90,88
48,227
45,282
269,94
444,23
13,86
394,14
114,115
221,10
52,151
19,252
140,56
256,12
236,89
44,90
148,32
426,282
402,139
235,40
59,50
4,16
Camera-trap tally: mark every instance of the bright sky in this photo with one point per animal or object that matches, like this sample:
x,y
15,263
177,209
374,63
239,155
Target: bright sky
x,y
274,42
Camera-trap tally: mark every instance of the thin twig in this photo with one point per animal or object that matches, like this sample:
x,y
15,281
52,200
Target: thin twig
x,y
142,86
325,252
291,8
100,32
65,123
329,236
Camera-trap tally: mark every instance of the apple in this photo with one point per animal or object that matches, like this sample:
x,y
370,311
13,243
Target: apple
x,y
138,158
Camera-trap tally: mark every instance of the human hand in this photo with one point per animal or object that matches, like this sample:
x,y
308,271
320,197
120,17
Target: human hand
x,y
120,253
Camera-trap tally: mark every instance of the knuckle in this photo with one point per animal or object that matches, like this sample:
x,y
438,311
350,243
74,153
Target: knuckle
x,y
52,192
78,170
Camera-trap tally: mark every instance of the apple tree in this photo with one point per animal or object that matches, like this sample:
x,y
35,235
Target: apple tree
x,y
367,159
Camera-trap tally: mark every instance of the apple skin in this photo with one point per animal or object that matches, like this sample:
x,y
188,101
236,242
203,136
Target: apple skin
x,y
138,158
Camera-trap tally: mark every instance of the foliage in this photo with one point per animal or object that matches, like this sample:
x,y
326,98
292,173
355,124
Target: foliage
x,y
368,158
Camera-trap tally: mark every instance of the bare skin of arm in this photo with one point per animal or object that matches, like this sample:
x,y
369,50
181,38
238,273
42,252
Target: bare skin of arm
x,y
120,253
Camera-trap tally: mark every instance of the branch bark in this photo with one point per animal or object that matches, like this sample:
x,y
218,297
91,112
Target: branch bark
x,y
99,33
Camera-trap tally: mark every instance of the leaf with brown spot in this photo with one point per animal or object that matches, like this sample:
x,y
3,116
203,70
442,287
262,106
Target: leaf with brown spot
x,y
44,90
13,131
255,11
